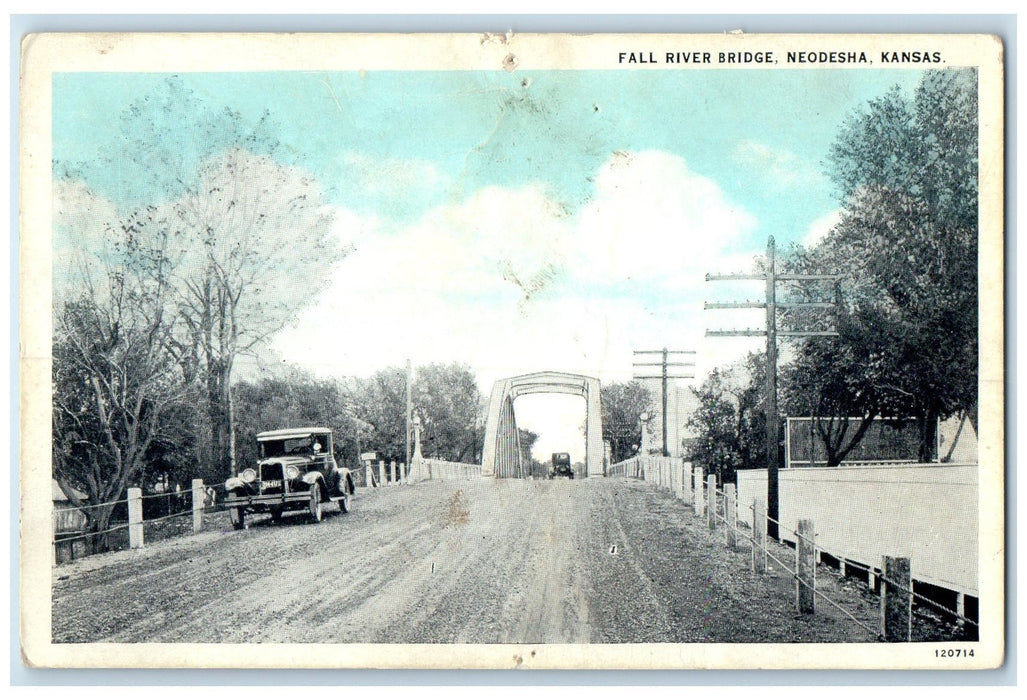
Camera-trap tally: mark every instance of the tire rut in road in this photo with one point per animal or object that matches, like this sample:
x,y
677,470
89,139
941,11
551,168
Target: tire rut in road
x,y
312,597
477,561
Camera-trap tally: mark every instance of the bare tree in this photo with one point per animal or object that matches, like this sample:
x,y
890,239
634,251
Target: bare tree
x,y
257,246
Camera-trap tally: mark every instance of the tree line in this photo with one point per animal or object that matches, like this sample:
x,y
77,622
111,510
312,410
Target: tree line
x,y
906,170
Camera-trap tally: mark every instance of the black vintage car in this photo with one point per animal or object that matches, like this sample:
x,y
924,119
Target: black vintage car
x,y
562,465
295,470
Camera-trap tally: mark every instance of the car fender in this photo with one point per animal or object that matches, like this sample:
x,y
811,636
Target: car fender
x,y
346,477
312,478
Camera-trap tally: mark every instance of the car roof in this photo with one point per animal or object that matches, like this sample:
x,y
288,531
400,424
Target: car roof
x,y
290,433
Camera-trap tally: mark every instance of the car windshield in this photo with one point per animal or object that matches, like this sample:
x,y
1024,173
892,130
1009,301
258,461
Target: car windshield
x,y
292,446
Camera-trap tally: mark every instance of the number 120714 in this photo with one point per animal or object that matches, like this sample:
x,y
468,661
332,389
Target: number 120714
x,y
952,653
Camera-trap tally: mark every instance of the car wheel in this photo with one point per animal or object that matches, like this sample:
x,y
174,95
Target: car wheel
x,y
344,504
276,515
316,508
238,518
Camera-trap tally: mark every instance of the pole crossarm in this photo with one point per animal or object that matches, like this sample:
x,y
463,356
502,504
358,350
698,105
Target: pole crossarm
x,y
735,276
660,376
734,305
791,277
660,352
752,333
807,304
808,334
662,364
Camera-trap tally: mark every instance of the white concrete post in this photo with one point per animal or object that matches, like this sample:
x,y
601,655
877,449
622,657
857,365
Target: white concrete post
x,y
699,503
730,515
392,473
402,473
197,505
711,501
381,472
135,518
759,536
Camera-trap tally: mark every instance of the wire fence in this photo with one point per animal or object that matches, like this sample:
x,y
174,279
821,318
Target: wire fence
x,y
162,515
715,507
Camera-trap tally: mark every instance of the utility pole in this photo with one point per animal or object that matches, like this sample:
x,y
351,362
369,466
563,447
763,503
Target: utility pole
x,y
410,410
664,376
771,278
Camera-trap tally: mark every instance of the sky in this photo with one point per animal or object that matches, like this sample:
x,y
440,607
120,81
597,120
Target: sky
x,y
510,221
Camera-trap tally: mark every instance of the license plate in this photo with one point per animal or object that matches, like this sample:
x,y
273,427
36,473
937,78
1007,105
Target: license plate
x,y
272,483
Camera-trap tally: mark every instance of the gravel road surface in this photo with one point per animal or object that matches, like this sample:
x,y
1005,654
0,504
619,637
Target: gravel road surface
x,y
478,561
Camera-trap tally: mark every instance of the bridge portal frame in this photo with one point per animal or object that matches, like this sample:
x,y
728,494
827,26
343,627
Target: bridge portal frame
x,y
501,454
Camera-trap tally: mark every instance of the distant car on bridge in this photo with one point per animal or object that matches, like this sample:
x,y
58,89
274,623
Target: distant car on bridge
x,y
562,465
295,470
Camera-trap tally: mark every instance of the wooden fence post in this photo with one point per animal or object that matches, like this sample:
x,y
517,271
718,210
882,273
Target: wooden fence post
x,y
731,515
698,502
135,518
805,567
198,504
711,501
392,473
896,601
759,536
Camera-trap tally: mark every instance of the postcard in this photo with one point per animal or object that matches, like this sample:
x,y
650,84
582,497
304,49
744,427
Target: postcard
x,y
488,351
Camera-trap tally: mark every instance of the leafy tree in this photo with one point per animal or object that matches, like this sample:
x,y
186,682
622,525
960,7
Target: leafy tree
x,y
907,245
447,399
622,407
730,421
531,465
296,399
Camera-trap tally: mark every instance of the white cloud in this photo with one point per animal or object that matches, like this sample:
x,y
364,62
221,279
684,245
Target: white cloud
x,y
653,218
399,186
819,229
781,168
508,282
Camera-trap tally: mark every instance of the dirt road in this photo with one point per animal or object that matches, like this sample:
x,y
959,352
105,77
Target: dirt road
x,y
597,560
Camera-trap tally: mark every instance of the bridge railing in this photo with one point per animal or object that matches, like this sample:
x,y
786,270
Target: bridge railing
x,y
425,469
667,472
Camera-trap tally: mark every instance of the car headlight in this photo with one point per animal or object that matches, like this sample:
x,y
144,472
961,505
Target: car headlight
x,y
291,472
248,475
